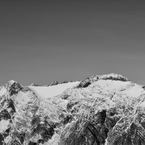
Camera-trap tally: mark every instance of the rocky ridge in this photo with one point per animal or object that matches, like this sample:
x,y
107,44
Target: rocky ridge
x,y
100,110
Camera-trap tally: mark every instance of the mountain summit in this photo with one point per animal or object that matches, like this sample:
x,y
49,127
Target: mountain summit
x,y
99,110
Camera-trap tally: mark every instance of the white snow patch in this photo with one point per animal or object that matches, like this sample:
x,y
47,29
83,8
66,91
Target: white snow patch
x,y
11,82
3,91
142,104
22,98
50,91
3,125
135,91
111,85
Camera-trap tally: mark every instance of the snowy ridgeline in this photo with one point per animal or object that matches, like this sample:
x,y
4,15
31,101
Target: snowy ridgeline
x,y
50,91
100,110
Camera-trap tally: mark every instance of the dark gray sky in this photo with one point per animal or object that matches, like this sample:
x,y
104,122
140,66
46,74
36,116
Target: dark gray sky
x,y
46,40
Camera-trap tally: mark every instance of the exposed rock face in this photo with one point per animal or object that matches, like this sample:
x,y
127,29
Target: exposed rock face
x,y
33,84
100,110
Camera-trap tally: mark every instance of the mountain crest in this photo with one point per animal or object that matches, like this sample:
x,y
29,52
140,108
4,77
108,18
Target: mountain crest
x,y
10,82
111,76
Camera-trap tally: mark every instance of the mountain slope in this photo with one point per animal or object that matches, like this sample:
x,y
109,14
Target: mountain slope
x,y
100,110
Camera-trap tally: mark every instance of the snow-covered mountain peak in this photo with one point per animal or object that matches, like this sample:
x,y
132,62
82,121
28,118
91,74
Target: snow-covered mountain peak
x,y
13,87
112,76
102,109
10,88
11,82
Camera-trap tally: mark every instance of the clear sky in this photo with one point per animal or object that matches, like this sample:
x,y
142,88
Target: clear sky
x,y
46,40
